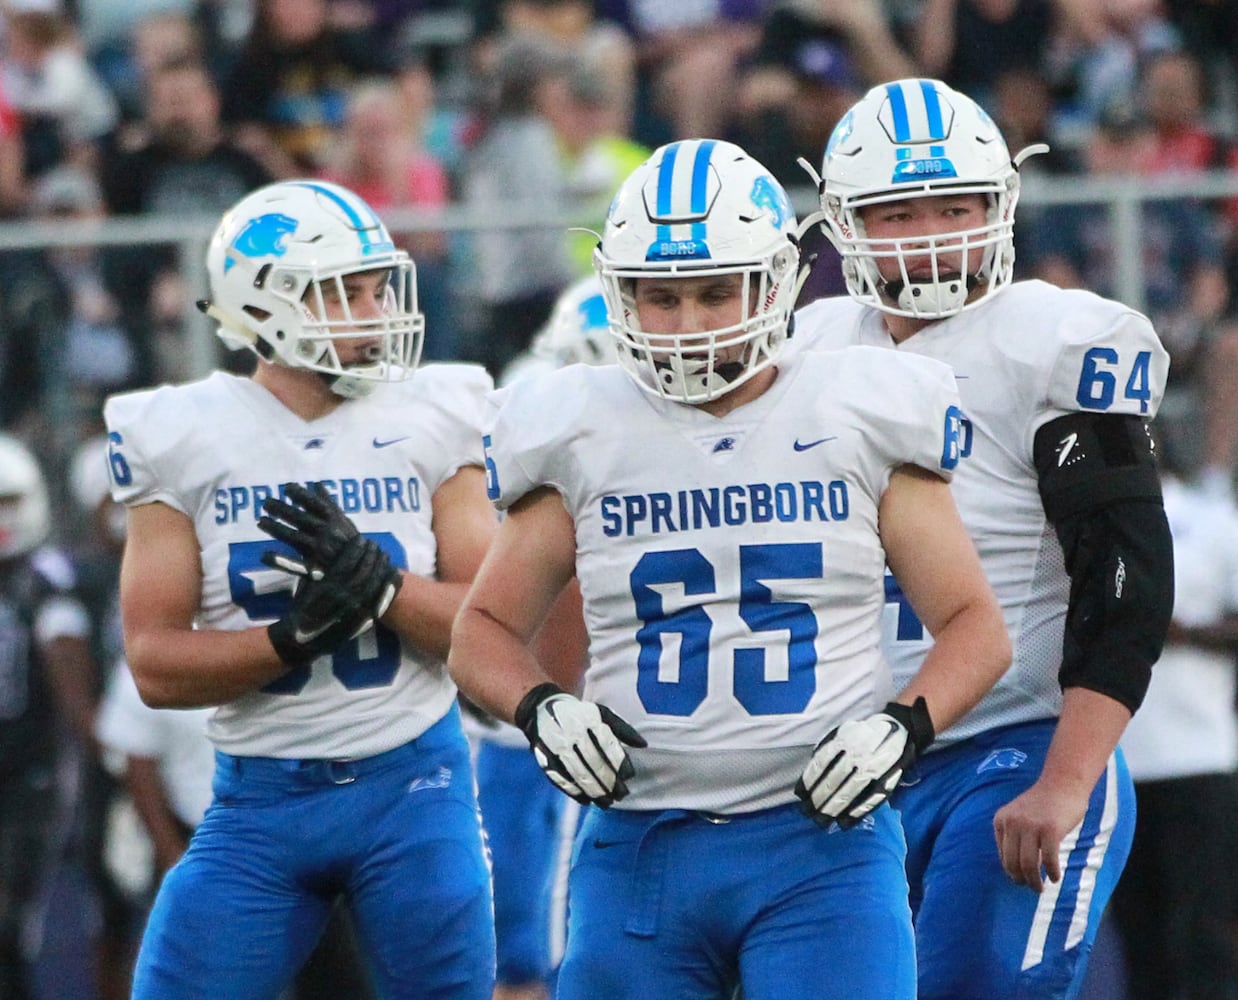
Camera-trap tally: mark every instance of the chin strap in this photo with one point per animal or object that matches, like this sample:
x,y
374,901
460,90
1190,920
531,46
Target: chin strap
x,y
937,298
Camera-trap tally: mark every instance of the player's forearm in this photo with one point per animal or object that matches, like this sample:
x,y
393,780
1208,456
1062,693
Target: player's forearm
x,y
968,657
183,668
1087,732
492,666
423,612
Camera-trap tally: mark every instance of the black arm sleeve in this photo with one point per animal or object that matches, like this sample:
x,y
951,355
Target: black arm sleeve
x,y
1102,494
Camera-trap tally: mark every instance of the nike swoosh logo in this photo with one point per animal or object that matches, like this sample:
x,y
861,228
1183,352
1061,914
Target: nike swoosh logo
x,y
384,444
813,444
303,637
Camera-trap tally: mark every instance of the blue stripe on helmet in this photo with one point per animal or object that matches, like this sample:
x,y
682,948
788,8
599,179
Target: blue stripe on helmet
x,y
700,176
666,174
898,106
365,230
932,108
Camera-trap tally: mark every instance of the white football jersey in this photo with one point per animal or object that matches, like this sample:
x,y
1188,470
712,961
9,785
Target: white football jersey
x,y
731,569
1030,354
215,449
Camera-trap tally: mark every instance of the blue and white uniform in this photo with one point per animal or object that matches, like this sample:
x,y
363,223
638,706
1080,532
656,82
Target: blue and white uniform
x,y
1021,358
731,571
353,770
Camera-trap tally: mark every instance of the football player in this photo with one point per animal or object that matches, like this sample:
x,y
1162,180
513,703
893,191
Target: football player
x,y
299,541
1059,490
728,518
47,673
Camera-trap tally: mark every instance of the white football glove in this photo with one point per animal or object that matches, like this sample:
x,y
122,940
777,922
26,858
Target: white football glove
x,y
858,764
579,744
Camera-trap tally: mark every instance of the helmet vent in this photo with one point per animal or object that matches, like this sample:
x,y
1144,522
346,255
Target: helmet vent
x,y
260,279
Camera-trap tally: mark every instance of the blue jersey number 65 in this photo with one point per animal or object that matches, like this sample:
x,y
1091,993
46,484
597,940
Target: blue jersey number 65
x,y
692,626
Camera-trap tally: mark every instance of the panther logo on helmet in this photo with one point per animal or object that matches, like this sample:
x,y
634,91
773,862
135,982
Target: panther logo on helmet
x,y
262,237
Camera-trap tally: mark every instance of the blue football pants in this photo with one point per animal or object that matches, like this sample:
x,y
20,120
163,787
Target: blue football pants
x,y
684,905
979,936
523,814
397,835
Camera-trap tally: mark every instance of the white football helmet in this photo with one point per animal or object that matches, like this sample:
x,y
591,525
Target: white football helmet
x,y
272,256
578,331
25,513
912,138
700,207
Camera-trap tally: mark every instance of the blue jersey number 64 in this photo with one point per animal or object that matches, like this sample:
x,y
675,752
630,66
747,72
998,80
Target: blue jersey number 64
x,y
1102,369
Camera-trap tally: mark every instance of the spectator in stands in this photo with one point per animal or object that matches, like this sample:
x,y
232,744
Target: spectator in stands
x,y
1098,47
12,159
64,341
381,156
813,62
515,169
66,110
601,45
688,55
179,162
127,62
1171,94
596,157
969,43
1209,29
1024,111
287,90
183,163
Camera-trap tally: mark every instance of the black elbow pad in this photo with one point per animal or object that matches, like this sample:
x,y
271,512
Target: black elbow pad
x,y
1101,492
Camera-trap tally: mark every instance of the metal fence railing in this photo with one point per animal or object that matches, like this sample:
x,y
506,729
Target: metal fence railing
x,y
1122,195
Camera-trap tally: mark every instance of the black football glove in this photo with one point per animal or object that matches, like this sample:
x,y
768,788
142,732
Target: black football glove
x,y
333,605
310,521
858,764
579,744
314,526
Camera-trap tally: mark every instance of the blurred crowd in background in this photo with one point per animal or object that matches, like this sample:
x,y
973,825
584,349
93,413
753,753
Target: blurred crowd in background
x,y
174,109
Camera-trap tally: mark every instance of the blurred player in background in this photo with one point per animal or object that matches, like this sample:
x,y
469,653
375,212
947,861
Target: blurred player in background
x,y
1059,490
299,541
47,677
721,510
